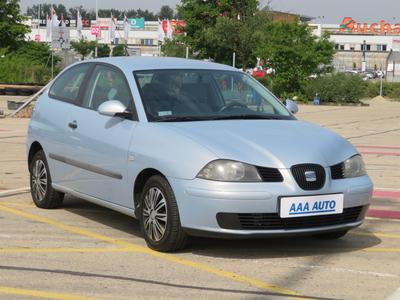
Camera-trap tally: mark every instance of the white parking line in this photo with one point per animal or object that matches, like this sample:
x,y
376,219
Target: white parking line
x,y
395,295
386,189
375,274
16,190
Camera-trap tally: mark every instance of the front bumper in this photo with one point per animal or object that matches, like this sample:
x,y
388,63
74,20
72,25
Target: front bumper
x,y
210,208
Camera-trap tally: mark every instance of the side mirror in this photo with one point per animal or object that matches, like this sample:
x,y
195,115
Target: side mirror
x,y
113,108
291,106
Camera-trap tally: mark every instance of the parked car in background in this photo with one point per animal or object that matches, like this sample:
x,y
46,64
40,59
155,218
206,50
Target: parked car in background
x,y
372,72
370,75
191,148
352,71
381,73
260,72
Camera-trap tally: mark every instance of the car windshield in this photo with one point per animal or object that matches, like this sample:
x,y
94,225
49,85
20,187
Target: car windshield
x,y
193,95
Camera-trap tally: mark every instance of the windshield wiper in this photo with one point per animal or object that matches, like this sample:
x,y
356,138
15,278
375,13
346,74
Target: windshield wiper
x,y
208,118
246,117
185,119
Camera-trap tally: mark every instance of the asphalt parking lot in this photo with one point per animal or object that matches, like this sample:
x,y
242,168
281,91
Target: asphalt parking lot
x,y
84,251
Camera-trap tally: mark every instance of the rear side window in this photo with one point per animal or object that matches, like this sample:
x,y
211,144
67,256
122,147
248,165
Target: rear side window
x,y
67,85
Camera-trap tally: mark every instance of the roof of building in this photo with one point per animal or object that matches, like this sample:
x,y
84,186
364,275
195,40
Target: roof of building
x,y
303,18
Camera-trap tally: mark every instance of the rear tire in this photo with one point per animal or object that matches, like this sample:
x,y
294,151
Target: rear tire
x,y
43,195
159,216
330,235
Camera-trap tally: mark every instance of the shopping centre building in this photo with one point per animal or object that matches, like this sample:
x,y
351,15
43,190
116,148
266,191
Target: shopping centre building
x,y
378,44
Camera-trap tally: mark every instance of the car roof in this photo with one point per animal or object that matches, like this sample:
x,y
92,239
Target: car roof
x,y
134,63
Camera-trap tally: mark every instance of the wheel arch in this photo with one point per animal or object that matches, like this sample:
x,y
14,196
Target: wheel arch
x,y
140,182
35,147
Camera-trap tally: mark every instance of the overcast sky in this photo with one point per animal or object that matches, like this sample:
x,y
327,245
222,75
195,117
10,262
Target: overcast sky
x,y
325,11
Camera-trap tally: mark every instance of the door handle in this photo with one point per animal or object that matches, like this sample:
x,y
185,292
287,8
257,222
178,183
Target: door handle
x,y
73,125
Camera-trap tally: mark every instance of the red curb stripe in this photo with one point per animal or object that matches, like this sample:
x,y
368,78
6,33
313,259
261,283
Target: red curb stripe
x,y
383,214
381,153
4,130
377,147
386,194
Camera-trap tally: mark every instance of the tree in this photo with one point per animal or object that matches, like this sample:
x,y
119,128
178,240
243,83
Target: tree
x,y
38,52
73,11
178,16
61,11
295,54
205,22
12,29
198,15
103,50
174,48
166,13
145,14
131,13
106,13
83,46
240,30
119,50
46,9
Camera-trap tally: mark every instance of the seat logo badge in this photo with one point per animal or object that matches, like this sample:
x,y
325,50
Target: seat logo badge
x,y
310,176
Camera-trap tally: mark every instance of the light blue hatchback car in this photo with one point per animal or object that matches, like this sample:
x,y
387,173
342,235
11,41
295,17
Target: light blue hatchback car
x,y
191,148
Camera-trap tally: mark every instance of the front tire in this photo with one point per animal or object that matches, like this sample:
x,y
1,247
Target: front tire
x,y
159,217
43,195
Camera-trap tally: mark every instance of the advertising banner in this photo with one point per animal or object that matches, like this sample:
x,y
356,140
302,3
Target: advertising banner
x,y
86,23
95,30
104,23
172,24
136,23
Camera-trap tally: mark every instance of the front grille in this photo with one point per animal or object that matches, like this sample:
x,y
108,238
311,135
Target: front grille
x,y
260,221
299,172
270,174
337,171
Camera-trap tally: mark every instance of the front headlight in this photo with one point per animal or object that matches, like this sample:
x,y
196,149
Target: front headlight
x,y
354,167
229,170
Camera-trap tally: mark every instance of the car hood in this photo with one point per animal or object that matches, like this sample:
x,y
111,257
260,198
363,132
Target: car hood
x,y
274,143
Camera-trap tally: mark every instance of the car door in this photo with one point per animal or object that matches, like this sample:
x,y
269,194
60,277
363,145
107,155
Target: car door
x,y
54,108
97,145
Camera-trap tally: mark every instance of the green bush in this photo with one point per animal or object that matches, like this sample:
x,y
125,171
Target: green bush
x,y
27,65
19,69
389,89
339,88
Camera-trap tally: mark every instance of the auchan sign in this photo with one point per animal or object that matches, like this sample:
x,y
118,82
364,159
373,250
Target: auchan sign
x,y
349,24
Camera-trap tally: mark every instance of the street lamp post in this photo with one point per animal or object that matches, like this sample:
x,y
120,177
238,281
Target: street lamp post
x,y
97,24
364,63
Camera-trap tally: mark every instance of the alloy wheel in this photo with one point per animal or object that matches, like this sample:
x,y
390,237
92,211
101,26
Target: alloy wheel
x,y
39,180
155,214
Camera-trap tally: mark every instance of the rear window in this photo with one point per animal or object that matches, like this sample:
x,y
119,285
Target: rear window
x,y
67,85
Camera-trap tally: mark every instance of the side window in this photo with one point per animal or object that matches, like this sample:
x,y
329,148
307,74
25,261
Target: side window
x,y
66,87
105,84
